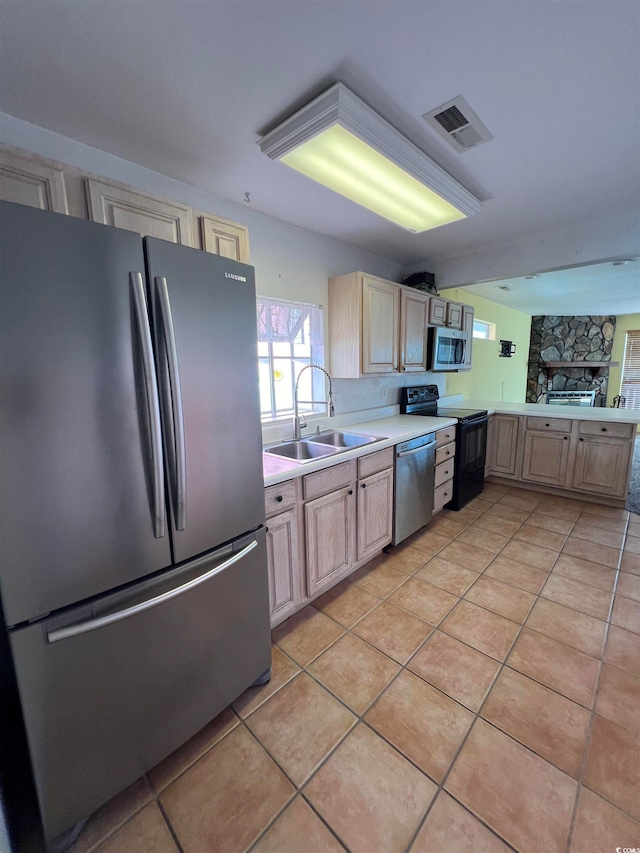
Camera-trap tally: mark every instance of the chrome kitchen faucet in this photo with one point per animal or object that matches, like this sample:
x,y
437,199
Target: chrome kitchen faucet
x,y
299,421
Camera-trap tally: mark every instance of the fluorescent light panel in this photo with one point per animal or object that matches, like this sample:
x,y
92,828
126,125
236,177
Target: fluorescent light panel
x,y
340,142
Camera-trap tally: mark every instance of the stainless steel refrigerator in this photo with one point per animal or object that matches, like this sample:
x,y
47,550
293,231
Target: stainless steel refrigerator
x,y
133,576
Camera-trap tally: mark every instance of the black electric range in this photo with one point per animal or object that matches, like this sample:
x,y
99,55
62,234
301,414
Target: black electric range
x,y
471,439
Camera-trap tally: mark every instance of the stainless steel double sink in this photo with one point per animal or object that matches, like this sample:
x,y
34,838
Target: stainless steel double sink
x,y
321,445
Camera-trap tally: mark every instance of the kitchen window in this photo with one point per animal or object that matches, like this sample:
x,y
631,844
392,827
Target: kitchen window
x,y
630,385
485,331
290,336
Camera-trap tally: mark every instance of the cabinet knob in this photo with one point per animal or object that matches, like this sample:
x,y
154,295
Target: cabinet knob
x,y
604,429
581,439
364,486
350,492
566,438
546,424
279,499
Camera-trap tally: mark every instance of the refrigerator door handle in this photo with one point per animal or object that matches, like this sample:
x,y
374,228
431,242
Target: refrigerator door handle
x,y
180,503
153,403
100,622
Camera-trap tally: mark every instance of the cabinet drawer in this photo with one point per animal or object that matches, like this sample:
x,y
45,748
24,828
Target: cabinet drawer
x,y
447,451
442,495
609,429
280,498
374,462
444,436
328,480
443,473
550,424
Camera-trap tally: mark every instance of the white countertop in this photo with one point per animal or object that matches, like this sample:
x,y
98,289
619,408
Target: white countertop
x,y
392,430
542,410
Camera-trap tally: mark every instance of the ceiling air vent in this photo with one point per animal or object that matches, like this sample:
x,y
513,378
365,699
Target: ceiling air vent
x,y
458,123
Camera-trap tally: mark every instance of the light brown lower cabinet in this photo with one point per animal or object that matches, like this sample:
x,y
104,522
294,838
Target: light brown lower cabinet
x,y
283,563
588,457
545,458
502,444
330,538
375,513
601,465
325,525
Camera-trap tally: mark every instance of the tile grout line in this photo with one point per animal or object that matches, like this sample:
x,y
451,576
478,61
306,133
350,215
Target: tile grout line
x,y
477,716
169,825
587,748
405,666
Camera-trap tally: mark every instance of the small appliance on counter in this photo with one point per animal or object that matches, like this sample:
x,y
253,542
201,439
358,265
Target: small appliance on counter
x,y
471,439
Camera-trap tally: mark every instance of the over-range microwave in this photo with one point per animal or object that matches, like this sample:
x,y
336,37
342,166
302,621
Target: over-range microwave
x,y
446,348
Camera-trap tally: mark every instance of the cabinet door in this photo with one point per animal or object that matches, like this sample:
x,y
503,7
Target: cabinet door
x,y
226,238
330,538
380,309
284,564
502,444
375,513
601,465
414,315
545,458
150,217
26,181
467,328
437,311
454,315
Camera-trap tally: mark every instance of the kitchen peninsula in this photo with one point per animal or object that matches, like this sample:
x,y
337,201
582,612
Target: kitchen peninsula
x,y
563,450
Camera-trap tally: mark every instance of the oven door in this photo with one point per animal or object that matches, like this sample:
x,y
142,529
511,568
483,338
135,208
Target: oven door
x,y
447,349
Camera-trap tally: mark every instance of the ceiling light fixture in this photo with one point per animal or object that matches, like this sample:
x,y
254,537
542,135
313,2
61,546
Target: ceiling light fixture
x,y
621,262
340,142
531,277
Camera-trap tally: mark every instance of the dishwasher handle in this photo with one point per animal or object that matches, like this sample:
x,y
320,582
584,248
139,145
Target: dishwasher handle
x,y
415,450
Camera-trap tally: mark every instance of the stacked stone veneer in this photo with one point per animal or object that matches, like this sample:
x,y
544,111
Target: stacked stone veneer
x,y
569,339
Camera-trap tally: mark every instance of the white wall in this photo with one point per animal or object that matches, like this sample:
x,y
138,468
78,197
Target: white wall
x,y
602,239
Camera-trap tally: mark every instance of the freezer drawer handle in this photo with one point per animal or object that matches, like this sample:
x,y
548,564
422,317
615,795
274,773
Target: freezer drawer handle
x,y
153,403
180,504
415,450
118,616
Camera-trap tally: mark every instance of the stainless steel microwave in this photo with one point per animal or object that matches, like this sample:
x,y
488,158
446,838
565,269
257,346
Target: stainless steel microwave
x,y
446,348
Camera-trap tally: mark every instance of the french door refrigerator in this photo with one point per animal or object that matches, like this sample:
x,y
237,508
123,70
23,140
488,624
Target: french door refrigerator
x,y
133,577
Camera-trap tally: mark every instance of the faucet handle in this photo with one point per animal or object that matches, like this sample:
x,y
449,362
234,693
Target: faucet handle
x,y
302,421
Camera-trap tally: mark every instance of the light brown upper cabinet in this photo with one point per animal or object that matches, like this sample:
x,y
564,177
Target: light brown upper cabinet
x,y
414,314
112,204
454,315
32,182
437,311
364,313
224,237
467,328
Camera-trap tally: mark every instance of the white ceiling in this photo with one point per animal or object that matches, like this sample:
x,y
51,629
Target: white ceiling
x,y
595,289
187,89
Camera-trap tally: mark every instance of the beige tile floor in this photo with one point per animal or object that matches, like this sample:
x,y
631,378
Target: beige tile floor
x,y
477,688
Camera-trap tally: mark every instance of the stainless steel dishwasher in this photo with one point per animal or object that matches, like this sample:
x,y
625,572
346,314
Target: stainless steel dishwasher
x,y
413,491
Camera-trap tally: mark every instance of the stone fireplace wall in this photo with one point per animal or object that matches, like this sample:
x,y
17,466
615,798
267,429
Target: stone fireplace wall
x,y
569,339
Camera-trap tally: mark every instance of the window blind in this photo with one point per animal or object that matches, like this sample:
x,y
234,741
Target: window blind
x,y
630,386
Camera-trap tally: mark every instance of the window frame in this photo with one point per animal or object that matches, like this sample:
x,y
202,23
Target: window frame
x,y
315,314
490,329
630,373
